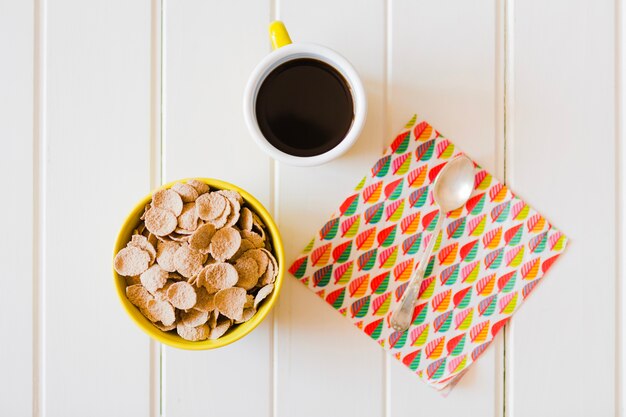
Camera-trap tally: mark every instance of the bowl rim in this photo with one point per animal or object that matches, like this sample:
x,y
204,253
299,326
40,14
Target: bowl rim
x,y
241,330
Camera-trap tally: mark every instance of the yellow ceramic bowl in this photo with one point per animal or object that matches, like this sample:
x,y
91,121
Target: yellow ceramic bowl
x,y
236,332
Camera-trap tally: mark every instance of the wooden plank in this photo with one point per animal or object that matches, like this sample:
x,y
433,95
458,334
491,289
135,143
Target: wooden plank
x,y
210,50
16,163
320,353
97,133
561,147
444,57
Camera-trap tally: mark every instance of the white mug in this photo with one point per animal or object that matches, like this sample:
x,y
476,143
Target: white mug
x,y
285,51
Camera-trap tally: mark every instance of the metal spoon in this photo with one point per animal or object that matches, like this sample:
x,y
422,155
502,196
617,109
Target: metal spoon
x,y
452,188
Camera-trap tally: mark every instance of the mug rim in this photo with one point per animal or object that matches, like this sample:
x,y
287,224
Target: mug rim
x,y
289,53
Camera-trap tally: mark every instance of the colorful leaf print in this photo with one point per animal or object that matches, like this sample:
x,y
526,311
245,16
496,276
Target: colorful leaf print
x,y
447,255
394,210
435,370
530,269
487,306
419,335
419,314
374,213
374,329
535,223
343,273
499,325
397,339
462,298
457,364
341,252
494,259
449,275
358,286
298,268
365,239
412,360
336,298
445,149
359,307
520,211
411,122
491,239
528,288
456,344
401,142
498,192
429,221
387,257
442,322
456,228
422,131
427,287
321,255
475,204
381,167
401,164
418,197
416,177
463,319
491,254
393,190
538,243
548,263
329,231
441,301
434,348
469,250
513,257
380,305
372,192
479,332
507,303
500,212
469,272
434,171
476,226
506,282
367,261
410,223
482,180
387,236
349,205
402,272
479,350
321,277
425,151
514,235
485,285
411,245
350,226
380,283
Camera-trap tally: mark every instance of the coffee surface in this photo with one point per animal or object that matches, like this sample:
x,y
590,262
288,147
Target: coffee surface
x,y
304,107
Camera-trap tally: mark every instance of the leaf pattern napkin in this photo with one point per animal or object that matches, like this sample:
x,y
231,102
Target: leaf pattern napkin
x,y
489,257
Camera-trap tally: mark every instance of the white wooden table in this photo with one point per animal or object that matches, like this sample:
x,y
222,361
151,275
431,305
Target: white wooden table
x,y
103,100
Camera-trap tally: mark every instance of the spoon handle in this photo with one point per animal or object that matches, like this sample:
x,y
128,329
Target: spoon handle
x,y
402,316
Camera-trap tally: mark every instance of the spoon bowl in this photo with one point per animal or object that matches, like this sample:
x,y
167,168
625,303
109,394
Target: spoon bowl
x,y
454,184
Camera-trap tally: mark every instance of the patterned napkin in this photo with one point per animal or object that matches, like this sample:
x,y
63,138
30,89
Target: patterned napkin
x,y
489,257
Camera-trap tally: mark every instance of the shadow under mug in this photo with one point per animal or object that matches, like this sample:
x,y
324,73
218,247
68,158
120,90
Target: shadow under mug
x,y
283,52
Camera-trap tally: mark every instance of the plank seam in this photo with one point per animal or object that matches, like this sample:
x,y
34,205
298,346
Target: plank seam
x,y
157,175
620,183
39,208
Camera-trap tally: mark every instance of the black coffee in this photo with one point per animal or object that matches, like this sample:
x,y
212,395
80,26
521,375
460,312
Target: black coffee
x,y
304,107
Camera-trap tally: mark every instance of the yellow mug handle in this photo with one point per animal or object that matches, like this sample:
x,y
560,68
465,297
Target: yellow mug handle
x,y
279,35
